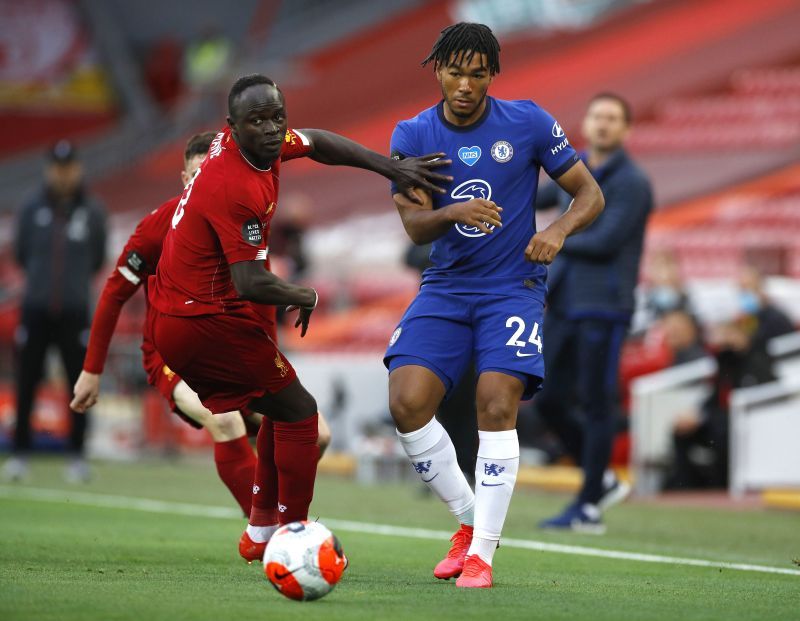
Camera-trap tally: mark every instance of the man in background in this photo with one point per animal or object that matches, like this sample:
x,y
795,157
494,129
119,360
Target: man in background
x,y
701,436
763,319
683,337
590,303
60,245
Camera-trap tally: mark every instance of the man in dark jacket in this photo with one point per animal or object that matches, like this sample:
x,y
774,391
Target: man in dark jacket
x,y
761,316
60,244
590,303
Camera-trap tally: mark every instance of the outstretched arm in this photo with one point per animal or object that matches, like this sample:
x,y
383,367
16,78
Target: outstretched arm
x,y
587,203
408,173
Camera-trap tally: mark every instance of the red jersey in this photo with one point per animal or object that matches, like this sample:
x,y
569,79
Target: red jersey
x,y
223,217
136,262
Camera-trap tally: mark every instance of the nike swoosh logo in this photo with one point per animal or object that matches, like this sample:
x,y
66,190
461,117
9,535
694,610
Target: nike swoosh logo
x,y
521,355
485,484
283,575
431,479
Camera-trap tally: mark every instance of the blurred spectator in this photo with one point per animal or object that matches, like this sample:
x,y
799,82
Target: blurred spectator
x,y
60,244
763,319
666,291
207,58
287,237
287,242
418,257
682,336
701,436
162,71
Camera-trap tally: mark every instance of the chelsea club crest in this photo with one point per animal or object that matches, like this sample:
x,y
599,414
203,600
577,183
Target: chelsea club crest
x,y
502,151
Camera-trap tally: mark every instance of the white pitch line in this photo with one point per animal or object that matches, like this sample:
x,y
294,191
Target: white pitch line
x,y
148,505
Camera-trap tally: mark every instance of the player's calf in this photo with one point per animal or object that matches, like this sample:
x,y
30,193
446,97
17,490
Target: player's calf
x,y
295,432
496,468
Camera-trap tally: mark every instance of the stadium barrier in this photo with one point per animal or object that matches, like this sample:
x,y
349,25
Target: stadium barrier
x,y
765,425
657,400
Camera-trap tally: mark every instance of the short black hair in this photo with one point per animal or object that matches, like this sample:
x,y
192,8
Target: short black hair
x,y
243,83
627,112
463,40
199,144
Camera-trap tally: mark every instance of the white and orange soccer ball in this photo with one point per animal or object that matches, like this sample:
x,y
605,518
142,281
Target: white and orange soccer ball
x,y
304,560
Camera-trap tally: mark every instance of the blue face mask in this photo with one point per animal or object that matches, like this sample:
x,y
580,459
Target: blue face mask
x,y
665,298
749,302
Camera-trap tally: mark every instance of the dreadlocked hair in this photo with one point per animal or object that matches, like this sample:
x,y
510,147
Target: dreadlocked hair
x,y
462,41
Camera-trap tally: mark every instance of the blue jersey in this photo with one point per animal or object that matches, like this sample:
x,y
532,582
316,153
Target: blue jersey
x,y
496,158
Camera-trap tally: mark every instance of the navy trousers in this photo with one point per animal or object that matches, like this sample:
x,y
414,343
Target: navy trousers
x,y
37,331
579,399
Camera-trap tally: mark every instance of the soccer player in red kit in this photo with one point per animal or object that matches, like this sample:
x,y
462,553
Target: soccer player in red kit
x,y
212,268
233,455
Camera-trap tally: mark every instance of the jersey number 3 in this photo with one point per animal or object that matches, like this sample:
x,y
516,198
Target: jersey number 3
x,y
519,324
187,191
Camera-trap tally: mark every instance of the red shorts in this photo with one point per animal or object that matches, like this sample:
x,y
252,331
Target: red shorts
x,y
228,360
269,319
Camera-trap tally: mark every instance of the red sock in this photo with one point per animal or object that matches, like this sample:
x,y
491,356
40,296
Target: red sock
x,y
236,466
265,488
296,455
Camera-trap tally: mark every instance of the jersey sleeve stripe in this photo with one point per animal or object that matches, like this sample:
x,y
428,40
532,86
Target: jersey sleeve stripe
x,y
129,275
261,255
304,139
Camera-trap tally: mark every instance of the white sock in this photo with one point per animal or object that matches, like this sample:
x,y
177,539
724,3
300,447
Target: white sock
x,y
261,534
433,456
495,475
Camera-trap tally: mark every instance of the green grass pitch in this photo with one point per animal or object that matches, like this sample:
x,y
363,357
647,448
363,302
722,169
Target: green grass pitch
x,y
65,561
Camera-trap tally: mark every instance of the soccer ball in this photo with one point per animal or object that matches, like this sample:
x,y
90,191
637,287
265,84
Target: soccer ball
x,y
304,560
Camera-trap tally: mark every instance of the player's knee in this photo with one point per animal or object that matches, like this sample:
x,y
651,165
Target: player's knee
x,y
497,414
226,426
407,406
187,401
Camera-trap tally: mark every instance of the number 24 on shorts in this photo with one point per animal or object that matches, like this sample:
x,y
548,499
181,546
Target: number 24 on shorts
x,y
519,324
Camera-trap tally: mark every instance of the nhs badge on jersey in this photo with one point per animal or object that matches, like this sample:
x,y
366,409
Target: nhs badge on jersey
x,y
502,151
469,155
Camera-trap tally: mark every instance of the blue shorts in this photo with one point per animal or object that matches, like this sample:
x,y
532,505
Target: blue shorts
x,y
443,331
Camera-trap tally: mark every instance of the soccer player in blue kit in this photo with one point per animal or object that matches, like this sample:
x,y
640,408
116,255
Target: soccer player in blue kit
x,y
483,297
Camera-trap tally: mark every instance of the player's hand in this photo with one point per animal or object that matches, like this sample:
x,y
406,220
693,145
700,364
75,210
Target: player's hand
x,y
545,245
86,390
304,314
417,172
478,213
